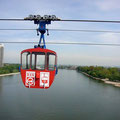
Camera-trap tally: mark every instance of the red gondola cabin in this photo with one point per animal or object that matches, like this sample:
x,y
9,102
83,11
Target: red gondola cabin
x,y
38,67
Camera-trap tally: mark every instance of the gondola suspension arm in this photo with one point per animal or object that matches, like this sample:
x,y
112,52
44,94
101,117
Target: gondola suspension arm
x,y
42,22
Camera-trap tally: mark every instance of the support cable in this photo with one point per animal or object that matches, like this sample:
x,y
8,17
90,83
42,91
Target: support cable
x,y
66,43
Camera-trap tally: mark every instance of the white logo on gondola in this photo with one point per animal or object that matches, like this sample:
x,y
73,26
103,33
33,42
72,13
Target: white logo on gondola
x,y
44,79
30,78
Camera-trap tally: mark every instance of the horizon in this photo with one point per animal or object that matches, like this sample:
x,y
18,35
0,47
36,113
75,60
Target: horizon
x,y
73,65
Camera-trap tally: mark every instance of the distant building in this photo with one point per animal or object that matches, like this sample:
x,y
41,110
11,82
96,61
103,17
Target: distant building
x,y
1,54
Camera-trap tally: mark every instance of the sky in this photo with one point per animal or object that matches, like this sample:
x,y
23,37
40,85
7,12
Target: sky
x,y
64,9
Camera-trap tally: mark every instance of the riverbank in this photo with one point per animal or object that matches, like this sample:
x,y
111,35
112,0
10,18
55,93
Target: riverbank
x,y
9,68
107,81
1,75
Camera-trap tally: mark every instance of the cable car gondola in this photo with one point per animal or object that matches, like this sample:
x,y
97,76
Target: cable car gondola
x,y
38,67
38,64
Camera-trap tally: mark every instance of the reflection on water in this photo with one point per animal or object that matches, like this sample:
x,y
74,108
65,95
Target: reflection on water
x,y
72,96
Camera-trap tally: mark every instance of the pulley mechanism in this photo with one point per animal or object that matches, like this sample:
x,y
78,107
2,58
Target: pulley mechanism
x,y
42,22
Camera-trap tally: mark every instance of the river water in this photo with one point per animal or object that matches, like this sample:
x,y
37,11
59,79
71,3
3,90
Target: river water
x,y
73,96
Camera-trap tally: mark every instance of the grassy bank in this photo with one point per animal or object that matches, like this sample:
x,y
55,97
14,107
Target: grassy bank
x,y
9,68
112,73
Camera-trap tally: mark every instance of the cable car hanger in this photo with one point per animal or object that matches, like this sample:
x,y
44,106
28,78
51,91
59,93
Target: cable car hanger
x,y
42,22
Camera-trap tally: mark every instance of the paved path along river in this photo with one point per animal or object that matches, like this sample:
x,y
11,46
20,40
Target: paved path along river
x,y
72,96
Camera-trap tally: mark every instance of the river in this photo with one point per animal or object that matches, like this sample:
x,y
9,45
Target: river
x,y
73,96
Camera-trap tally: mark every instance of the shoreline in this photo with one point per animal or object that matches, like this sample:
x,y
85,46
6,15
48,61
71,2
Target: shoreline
x,y
116,84
2,75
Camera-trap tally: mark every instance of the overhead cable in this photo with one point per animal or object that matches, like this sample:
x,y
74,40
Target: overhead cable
x,y
65,20
64,30
65,43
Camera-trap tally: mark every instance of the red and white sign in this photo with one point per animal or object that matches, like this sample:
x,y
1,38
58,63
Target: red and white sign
x,y
44,79
30,78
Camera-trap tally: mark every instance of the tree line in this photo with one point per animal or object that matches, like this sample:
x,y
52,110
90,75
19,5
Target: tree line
x,y
9,68
112,73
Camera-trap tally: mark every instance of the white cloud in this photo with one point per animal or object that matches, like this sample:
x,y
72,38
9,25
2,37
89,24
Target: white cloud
x,y
107,5
80,59
11,56
109,38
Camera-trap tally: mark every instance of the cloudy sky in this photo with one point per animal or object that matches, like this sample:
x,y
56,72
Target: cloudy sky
x,y
64,9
